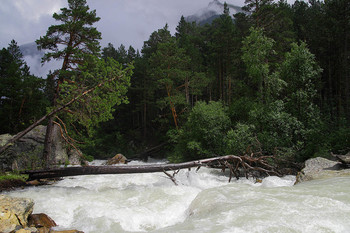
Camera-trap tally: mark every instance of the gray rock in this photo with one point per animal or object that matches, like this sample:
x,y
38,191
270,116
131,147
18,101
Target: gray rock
x,y
74,157
14,212
345,159
321,168
4,138
118,159
27,152
59,147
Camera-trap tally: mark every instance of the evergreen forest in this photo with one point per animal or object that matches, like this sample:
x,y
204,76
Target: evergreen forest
x,y
274,78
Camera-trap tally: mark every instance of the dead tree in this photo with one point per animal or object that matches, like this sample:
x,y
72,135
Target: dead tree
x,y
235,164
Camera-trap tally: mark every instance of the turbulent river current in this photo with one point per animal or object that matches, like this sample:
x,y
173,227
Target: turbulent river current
x,y
203,201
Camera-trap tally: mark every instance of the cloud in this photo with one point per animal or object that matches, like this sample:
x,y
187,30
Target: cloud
x,y
34,10
39,70
128,22
26,20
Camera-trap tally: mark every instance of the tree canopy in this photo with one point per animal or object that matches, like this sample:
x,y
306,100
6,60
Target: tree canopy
x,y
273,79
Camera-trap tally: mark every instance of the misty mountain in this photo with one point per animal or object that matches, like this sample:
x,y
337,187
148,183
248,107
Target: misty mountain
x,y
211,12
32,57
30,49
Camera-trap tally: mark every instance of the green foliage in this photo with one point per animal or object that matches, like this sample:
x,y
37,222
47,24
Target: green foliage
x,y
276,128
22,99
169,67
301,71
337,140
89,158
75,34
204,132
13,176
279,94
98,106
257,49
241,140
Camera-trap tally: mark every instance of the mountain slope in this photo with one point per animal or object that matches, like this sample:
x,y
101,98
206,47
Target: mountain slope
x,y
33,56
211,12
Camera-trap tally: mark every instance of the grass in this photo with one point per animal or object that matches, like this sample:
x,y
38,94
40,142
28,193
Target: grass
x,y
9,181
13,176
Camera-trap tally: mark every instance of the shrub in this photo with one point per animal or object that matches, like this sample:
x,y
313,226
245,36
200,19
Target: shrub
x,y
203,134
241,139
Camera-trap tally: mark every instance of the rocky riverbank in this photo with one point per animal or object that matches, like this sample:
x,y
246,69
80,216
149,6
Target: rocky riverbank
x,y
322,168
26,153
16,216
9,184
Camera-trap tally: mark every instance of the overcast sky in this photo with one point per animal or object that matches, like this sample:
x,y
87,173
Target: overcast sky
x,y
129,22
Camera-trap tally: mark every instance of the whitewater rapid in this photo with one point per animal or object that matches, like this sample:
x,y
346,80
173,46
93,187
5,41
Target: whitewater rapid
x,y
203,201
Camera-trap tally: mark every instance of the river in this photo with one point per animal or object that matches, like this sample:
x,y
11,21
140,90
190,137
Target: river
x,y
203,201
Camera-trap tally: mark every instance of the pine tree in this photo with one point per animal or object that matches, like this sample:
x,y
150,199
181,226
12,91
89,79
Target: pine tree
x,y
22,99
170,67
189,38
109,52
222,47
337,24
147,82
76,43
260,11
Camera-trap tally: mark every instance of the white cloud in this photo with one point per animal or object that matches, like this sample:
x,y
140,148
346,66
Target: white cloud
x,y
128,22
26,20
34,10
122,21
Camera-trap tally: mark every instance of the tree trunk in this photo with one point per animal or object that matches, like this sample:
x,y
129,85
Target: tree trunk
x,y
234,163
187,92
48,143
346,75
172,106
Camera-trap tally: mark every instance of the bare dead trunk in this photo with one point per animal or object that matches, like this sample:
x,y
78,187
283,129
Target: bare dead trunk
x,y
232,162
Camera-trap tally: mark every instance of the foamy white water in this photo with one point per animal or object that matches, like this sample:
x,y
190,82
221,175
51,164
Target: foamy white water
x,y
203,202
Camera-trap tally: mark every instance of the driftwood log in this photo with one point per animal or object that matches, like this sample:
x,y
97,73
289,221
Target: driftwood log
x,y
248,164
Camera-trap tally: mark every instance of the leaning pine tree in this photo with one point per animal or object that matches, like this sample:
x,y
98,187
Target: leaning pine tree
x,y
76,43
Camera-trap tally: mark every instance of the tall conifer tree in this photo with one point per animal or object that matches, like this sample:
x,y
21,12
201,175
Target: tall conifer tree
x,y
76,42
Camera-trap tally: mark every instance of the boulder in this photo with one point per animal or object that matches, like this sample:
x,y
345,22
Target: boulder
x,y
67,231
16,216
118,159
4,138
28,230
345,159
27,151
74,156
41,220
321,168
14,213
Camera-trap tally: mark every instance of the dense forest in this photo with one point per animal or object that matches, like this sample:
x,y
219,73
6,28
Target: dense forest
x,y
274,79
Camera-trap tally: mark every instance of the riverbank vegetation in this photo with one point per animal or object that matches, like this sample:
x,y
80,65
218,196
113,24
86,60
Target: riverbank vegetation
x,y
12,180
274,79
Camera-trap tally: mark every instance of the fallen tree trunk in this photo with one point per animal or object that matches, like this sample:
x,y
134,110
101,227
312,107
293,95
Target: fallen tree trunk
x,y
234,163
